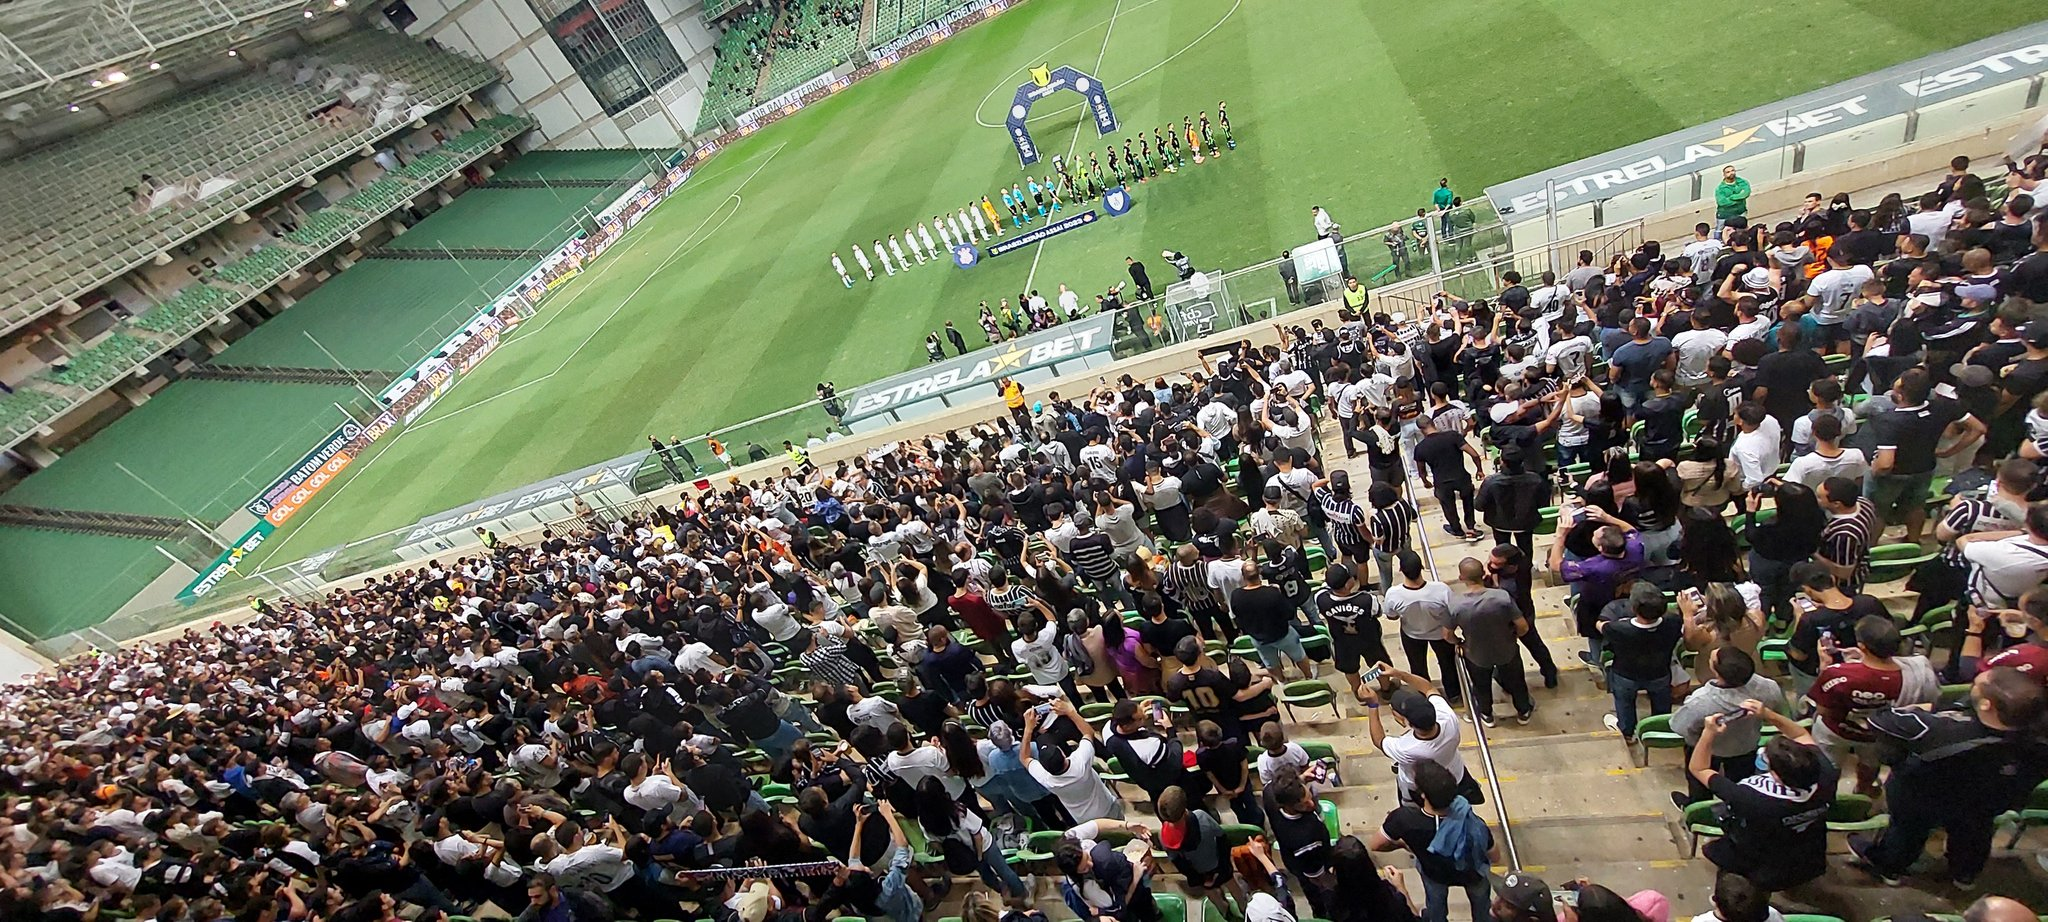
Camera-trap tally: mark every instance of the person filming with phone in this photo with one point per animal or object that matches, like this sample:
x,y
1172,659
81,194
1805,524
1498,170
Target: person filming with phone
x,y
1775,821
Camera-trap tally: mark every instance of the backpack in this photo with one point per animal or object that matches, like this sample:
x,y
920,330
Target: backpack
x,y
960,856
1076,653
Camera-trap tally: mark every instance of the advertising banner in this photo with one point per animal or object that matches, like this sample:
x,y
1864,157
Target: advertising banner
x,y
304,468
1042,232
1065,342
2019,55
615,471
226,563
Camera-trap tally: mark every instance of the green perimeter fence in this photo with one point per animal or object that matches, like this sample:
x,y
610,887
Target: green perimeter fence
x,y
1466,262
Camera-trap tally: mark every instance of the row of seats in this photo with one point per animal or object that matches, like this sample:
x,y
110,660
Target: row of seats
x,y
819,41
819,44
188,311
716,8
736,74
378,198
25,410
324,228
896,18
104,363
196,306
71,220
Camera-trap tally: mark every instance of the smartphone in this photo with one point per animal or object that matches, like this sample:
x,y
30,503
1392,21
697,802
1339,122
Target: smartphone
x,y
1371,675
1159,713
1804,604
1698,598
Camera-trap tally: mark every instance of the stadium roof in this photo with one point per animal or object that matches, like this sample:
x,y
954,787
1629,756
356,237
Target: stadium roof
x,y
58,52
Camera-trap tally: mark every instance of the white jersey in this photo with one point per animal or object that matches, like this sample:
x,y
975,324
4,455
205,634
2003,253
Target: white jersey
x,y
837,265
953,223
971,220
861,256
926,240
897,251
945,236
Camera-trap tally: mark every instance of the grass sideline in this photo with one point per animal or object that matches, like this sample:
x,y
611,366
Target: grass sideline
x,y
722,306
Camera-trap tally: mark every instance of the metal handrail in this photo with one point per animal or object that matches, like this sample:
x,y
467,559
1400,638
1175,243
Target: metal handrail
x,y
1500,807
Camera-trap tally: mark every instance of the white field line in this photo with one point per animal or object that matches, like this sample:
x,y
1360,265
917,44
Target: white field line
x,y
688,244
1114,12
680,250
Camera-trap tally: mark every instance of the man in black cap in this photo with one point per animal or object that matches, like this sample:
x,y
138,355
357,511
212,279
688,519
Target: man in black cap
x,y
1432,735
1352,615
1519,896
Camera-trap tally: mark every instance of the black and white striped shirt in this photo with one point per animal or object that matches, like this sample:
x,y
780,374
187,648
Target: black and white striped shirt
x,y
828,661
1846,542
1188,584
1345,517
1394,527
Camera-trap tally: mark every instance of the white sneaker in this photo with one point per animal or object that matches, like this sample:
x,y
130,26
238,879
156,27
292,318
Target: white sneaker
x,y
1611,722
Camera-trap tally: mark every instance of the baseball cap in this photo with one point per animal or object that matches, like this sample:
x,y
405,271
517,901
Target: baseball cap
x,y
2036,333
1414,708
1527,894
1337,575
1969,375
1982,294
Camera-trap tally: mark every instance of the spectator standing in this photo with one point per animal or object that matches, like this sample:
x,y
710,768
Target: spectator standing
x,y
1440,461
1644,645
1452,846
1775,821
1957,770
1486,623
1857,682
1733,755
1422,606
1433,734
1731,198
1908,437
1618,558
1631,365
1846,539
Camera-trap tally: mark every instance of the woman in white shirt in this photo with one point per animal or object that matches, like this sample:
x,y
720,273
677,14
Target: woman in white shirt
x,y
1423,607
959,832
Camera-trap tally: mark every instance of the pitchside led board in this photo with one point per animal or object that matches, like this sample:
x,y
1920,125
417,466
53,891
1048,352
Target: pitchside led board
x,y
1045,81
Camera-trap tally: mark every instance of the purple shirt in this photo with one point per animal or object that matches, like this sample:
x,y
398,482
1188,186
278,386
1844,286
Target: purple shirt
x,y
1597,576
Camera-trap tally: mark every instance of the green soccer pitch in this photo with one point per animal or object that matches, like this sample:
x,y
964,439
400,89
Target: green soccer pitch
x,y
722,305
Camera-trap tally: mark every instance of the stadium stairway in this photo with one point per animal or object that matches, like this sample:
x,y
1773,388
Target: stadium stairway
x,y
278,374
110,524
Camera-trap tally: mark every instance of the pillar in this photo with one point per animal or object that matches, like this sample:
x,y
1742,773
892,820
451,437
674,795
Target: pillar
x,y
36,454
131,393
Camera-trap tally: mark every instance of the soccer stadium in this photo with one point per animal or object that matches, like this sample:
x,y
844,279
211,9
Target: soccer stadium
x,y
1023,460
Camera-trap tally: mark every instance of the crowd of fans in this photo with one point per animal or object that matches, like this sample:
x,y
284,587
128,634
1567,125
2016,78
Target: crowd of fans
x,y
835,690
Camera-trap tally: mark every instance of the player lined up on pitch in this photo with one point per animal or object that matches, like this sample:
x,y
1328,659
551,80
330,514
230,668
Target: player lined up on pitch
x,y
1035,198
